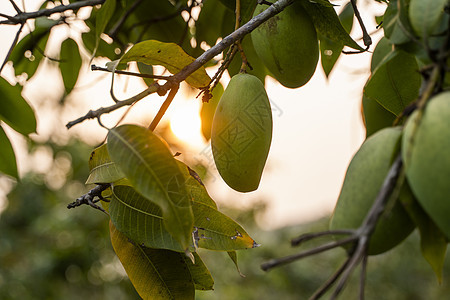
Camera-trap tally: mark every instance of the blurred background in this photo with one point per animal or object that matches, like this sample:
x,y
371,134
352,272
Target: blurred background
x,y
49,252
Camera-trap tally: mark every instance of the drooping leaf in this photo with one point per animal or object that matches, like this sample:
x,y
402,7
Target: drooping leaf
x,y
102,19
70,63
327,24
331,50
8,164
208,110
395,82
433,242
395,22
233,256
200,274
150,167
14,110
142,222
425,15
155,273
102,169
169,55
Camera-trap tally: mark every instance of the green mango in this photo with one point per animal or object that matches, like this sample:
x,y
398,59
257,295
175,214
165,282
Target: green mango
x,y
242,132
288,46
364,178
427,159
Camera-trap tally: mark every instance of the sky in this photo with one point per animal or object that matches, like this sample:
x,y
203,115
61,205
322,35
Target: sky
x,y
316,129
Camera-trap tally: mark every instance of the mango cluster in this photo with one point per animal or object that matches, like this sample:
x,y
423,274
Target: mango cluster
x,y
423,143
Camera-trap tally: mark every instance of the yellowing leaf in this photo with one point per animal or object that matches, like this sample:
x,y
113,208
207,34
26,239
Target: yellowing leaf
x,y
142,222
155,273
169,55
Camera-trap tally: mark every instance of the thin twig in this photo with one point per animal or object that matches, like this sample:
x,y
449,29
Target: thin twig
x,y
113,32
24,16
327,285
366,37
13,44
98,68
288,259
163,108
92,114
362,277
18,10
309,236
355,259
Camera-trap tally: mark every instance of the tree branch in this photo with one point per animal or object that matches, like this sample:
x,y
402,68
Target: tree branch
x,y
89,197
11,48
227,41
164,108
360,236
93,114
176,79
22,17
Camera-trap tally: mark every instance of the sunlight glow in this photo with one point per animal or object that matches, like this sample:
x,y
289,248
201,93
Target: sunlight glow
x,y
185,122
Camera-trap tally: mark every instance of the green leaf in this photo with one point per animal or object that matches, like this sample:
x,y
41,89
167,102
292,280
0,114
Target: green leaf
x,y
233,256
142,222
70,63
433,242
195,187
102,169
103,16
327,24
209,24
169,55
382,50
8,164
425,15
395,82
154,273
150,167
376,117
395,22
208,110
331,50
200,274
146,69
14,110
